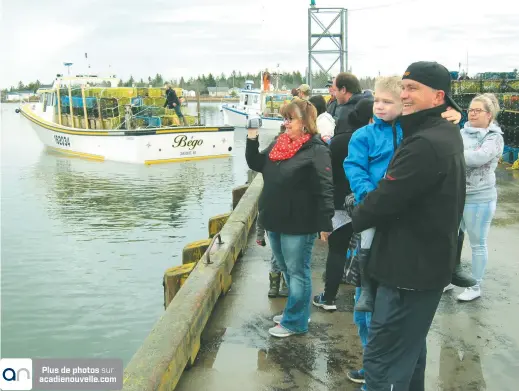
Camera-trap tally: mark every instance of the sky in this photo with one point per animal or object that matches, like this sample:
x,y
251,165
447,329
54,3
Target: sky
x,y
194,37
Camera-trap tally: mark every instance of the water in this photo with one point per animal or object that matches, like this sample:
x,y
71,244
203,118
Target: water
x,y
85,244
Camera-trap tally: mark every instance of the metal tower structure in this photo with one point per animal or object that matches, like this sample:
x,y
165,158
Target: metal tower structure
x,y
327,40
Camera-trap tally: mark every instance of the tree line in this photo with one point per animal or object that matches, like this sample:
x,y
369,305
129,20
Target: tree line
x,y
202,82
237,79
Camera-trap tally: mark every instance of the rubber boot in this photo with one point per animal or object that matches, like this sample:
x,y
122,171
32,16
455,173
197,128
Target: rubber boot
x,y
274,284
365,302
459,277
283,290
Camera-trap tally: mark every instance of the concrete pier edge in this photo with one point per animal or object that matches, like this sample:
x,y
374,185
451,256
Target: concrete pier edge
x,y
174,341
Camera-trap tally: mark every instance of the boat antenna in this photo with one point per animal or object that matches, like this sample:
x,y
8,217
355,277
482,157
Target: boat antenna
x,y
68,64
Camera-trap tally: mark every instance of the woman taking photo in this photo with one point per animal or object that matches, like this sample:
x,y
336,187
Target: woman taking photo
x,y
296,203
484,144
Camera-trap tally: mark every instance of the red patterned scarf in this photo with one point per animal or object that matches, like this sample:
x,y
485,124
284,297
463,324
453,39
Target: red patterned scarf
x,y
285,148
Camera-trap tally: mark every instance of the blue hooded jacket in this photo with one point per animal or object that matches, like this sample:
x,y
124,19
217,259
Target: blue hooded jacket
x,y
370,151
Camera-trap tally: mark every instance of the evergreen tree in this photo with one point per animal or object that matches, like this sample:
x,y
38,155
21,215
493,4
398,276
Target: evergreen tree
x,y
298,78
210,82
158,81
130,82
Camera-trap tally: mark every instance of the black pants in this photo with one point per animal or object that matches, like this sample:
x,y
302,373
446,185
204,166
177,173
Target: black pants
x,y
338,243
395,356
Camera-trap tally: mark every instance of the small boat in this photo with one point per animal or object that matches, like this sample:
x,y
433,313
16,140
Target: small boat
x,y
257,102
91,117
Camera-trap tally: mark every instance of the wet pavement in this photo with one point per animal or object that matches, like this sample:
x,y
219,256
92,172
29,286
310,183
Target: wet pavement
x,y
471,346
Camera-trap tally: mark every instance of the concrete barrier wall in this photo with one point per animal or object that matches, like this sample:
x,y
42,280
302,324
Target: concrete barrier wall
x,y
174,341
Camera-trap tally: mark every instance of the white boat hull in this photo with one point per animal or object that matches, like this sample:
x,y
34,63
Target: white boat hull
x,y
237,117
140,147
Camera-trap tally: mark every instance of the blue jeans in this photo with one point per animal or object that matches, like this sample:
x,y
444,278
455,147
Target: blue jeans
x,y
274,267
293,254
362,320
177,109
476,223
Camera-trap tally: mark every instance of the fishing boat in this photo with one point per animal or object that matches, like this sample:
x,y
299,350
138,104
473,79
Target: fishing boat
x,y
261,102
91,117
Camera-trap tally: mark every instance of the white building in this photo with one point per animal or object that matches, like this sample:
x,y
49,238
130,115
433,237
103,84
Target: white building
x,y
16,96
218,91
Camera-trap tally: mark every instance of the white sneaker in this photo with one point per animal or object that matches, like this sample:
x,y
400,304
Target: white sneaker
x,y
470,294
448,288
280,332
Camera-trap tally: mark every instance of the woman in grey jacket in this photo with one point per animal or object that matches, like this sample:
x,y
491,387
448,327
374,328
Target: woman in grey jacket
x,y
484,144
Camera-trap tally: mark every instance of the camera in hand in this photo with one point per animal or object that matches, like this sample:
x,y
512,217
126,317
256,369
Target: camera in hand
x,y
253,122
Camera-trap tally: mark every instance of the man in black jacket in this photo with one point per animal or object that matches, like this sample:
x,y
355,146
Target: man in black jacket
x,y
416,209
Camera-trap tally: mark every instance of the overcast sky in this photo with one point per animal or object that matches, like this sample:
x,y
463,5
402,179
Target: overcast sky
x,y
192,37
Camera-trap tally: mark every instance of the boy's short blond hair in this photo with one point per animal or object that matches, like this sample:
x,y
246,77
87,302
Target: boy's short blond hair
x,y
390,84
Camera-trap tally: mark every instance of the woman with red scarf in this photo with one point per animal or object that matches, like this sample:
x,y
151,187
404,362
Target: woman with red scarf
x,y
296,203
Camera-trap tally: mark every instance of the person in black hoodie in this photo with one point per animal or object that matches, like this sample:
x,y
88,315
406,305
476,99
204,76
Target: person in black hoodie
x,y
357,118
339,239
295,205
416,209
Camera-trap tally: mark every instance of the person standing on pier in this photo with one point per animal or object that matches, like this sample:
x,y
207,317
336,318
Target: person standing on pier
x,y
484,144
417,210
296,203
339,239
